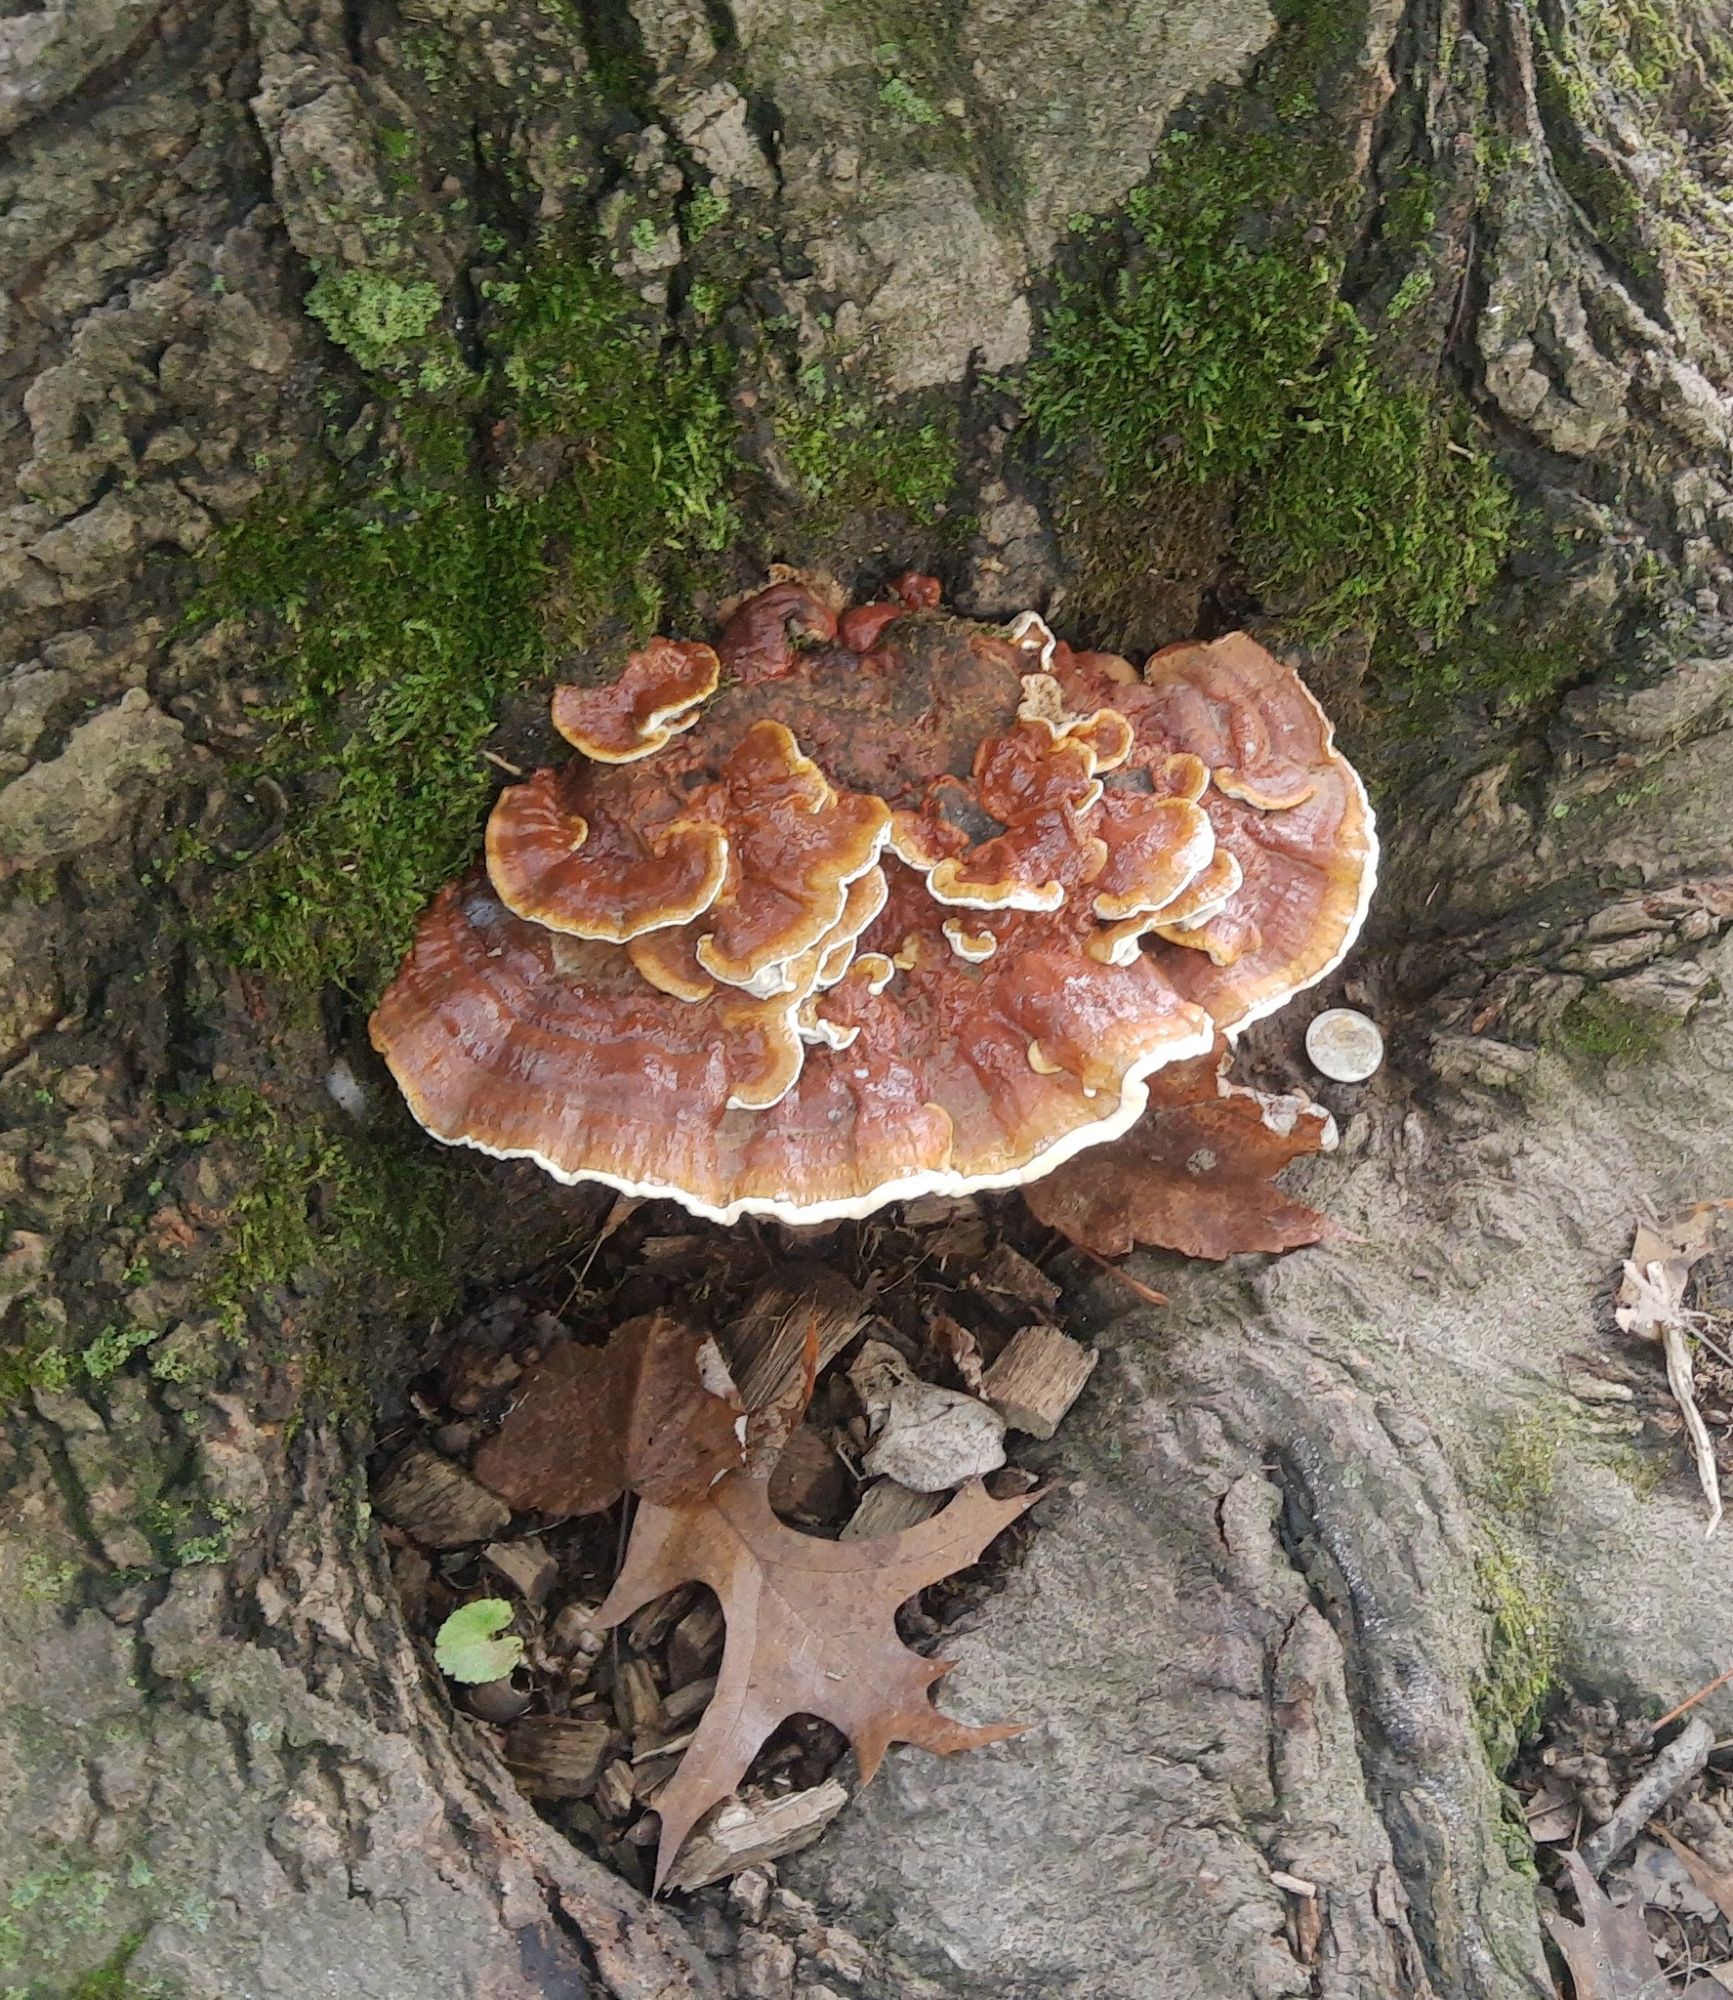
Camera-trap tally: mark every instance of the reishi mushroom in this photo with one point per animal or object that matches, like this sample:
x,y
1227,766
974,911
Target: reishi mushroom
x,y
874,902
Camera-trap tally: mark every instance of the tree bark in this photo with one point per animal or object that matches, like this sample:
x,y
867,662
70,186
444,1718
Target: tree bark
x,y
1309,1560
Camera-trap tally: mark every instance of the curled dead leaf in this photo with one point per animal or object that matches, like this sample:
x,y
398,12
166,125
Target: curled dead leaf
x,y
655,1410
810,1630
1195,1174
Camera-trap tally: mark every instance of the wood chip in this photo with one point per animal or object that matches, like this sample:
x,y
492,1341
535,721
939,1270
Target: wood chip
x,y
957,1344
687,1703
936,1439
617,1789
525,1565
767,1345
637,1699
809,1481
887,1508
1014,1290
695,1643
1296,1885
1037,1379
560,1756
575,1633
927,1210
646,1629
739,1834
438,1502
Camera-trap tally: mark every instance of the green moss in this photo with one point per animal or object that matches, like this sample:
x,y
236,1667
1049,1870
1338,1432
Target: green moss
x,y
905,103
1374,515
1200,365
1598,1028
59,1913
43,1580
706,209
1522,1648
34,1357
1521,1469
1644,1472
112,1348
111,1980
383,322
330,1225
848,454
408,601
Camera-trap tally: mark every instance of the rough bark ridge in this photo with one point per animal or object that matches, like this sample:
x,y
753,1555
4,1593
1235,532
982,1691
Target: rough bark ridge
x,y
1295,1588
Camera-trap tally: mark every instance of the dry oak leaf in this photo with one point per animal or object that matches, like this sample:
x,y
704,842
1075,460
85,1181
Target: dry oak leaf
x,y
810,1630
1195,1173
1610,1953
655,1410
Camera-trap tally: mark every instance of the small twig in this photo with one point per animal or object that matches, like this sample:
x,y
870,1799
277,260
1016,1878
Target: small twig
x,y
1672,1769
1679,1380
1147,1293
1691,1700
1697,1321
511,770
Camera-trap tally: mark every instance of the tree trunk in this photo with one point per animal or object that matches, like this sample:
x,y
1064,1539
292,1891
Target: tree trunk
x,y
1327,1527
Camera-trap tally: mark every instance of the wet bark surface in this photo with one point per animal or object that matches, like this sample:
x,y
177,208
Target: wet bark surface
x,y
1287,1583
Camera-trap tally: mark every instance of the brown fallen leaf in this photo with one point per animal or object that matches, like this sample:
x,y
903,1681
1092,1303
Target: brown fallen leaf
x,y
1652,1306
655,1410
810,1630
1195,1173
1710,1880
1610,1953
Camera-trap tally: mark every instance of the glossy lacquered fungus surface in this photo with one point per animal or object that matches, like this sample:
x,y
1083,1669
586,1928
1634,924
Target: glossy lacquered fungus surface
x,y
874,901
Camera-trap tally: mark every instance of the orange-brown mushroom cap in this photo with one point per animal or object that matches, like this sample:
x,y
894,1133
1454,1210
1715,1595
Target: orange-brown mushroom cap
x,y
870,923
599,875
657,696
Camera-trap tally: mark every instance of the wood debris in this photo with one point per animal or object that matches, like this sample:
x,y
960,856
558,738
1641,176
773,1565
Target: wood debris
x,y
1038,1377
1672,1769
559,1757
935,1439
886,1508
525,1565
740,1835
438,1502
599,1725
1652,1306
1015,1290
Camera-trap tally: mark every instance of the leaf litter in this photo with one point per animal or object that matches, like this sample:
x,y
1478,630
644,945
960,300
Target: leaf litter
x,y
1633,1821
699,1667
1196,1173
1653,1306
659,1612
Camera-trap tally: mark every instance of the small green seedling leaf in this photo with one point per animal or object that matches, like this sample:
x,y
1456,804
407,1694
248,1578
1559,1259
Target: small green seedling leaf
x,y
468,1646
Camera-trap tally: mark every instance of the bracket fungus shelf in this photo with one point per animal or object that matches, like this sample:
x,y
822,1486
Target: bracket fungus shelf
x,y
865,903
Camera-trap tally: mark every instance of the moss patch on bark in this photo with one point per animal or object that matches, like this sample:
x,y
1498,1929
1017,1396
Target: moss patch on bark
x,y
1200,367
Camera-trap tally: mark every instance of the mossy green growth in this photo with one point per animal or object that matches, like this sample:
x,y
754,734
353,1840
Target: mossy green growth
x,y
1522,1467
1205,350
905,103
112,1979
383,322
1522,1647
60,1913
1598,1028
352,1226
407,600
849,455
